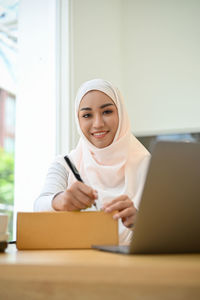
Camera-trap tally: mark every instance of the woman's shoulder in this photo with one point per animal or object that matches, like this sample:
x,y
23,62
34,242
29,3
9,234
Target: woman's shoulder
x,y
59,163
59,159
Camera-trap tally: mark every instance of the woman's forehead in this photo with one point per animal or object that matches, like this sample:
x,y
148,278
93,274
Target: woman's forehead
x,y
95,98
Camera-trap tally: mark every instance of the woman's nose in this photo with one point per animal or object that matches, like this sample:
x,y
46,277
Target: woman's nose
x,y
98,121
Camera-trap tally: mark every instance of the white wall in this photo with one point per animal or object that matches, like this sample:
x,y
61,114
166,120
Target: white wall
x,y
161,64
95,43
36,106
150,50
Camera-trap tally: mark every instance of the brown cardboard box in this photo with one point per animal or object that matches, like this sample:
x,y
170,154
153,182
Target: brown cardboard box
x,y
63,230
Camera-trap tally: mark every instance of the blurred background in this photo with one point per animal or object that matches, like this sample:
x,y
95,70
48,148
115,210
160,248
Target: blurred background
x,y
149,49
8,92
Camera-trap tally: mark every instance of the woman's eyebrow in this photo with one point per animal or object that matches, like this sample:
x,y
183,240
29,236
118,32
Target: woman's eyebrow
x,y
85,108
105,105
102,106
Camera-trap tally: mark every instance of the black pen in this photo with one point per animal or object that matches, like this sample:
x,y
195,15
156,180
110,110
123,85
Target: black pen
x,y
74,171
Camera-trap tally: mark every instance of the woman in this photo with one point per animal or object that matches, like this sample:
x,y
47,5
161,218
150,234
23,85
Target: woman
x,y
111,161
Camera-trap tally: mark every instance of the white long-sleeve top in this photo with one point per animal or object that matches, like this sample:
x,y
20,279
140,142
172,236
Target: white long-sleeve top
x,y
55,182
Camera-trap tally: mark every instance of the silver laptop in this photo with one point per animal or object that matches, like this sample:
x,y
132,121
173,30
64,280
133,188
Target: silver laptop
x,y
168,220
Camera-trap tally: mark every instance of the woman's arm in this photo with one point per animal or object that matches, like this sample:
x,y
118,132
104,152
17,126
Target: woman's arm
x,y
56,195
55,183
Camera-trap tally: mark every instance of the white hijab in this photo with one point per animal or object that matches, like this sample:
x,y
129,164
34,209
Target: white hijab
x,y
117,169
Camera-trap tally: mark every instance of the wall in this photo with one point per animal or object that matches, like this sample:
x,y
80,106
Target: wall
x,y
161,64
150,50
95,43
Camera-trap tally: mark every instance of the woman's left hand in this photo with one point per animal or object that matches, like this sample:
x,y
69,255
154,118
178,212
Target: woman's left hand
x,y
125,210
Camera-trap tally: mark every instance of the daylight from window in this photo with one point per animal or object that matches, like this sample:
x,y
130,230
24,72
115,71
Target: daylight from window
x,y
8,83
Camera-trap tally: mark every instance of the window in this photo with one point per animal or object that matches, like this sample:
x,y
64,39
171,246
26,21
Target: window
x,y
8,58
41,104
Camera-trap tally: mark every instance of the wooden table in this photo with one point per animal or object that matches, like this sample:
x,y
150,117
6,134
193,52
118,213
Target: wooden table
x,y
91,274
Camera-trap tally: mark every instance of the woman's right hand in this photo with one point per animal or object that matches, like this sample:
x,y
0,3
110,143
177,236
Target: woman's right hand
x,y
78,196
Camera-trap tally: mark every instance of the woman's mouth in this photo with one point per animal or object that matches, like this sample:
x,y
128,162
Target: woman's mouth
x,y
99,134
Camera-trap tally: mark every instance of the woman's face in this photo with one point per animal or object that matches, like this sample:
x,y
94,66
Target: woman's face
x,y
98,118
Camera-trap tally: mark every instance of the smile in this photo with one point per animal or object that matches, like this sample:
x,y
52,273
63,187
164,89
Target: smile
x,y
99,134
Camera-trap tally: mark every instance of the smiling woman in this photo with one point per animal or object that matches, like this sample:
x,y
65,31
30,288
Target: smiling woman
x,y
111,161
98,119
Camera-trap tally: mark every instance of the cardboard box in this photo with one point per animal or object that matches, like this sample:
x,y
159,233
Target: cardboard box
x,y
65,230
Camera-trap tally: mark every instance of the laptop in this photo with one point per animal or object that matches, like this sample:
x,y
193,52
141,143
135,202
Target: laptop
x,y
168,219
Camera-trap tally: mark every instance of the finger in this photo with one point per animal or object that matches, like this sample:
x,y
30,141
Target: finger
x,y
70,205
95,193
71,201
84,200
120,205
129,221
78,204
83,193
87,190
115,200
128,212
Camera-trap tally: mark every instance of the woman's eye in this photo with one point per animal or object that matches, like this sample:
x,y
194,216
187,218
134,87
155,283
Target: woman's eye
x,y
86,116
107,112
